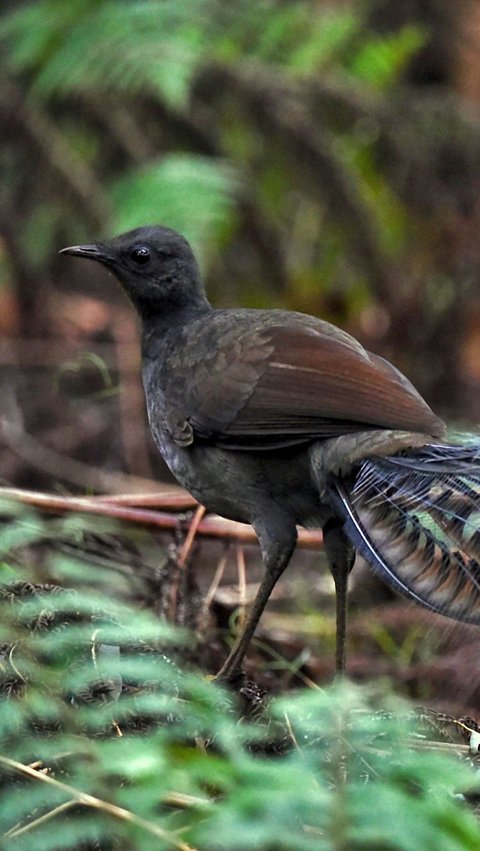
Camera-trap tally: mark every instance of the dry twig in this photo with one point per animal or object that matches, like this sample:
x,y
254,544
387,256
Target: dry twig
x,y
78,797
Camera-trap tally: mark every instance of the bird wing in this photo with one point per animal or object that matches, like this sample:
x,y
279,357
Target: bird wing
x,y
282,381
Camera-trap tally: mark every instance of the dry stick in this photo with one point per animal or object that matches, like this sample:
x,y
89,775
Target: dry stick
x,y
18,831
188,542
279,657
297,746
242,585
96,803
292,735
12,664
93,653
183,558
211,526
301,754
167,497
215,582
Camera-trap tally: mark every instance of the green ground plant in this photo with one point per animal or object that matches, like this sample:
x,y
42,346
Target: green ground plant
x,y
107,741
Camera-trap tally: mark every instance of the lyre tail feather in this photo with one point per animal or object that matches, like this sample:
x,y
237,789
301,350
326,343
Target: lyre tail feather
x,y
415,518
363,543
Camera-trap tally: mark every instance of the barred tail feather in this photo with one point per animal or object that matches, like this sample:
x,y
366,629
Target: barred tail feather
x,y
415,518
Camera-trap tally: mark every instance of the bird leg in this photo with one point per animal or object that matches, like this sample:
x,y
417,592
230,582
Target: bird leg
x,y
341,556
276,559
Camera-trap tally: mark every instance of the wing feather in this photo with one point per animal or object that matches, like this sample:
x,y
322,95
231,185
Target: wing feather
x,y
280,380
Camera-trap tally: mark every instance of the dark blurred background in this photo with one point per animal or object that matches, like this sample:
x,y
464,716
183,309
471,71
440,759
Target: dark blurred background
x,y
323,156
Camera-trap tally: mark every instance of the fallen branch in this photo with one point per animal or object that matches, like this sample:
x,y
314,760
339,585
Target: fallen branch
x,y
125,508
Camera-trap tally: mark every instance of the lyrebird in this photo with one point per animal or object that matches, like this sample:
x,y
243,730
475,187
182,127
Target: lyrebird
x,y
276,418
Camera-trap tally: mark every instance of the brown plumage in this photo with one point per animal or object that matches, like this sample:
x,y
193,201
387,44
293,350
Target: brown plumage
x,y
264,378
278,419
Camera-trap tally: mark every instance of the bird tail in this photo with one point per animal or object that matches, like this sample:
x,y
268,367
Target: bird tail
x,y
415,518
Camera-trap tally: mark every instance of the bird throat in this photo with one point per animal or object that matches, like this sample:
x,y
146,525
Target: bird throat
x,y
167,300
159,319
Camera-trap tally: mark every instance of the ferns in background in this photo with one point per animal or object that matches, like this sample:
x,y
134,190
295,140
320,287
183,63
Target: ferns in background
x,y
107,121
165,190
111,45
117,80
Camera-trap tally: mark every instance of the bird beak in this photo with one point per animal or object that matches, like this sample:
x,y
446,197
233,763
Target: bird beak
x,y
93,252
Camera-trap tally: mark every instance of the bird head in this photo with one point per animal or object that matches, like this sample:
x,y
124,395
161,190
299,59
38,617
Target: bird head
x,y
155,265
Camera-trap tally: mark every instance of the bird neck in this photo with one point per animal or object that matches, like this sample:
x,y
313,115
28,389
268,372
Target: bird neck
x,y
158,325
168,300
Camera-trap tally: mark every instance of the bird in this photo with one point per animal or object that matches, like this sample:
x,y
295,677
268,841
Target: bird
x,y
280,419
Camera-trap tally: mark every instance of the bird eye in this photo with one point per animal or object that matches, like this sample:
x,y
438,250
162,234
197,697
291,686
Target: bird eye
x,y
141,255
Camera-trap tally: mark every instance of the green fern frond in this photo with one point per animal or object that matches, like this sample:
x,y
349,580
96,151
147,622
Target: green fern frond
x,y
116,46
194,195
104,739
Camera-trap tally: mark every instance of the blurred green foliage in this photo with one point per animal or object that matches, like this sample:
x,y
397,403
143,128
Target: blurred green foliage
x,y
93,699
287,141
166,191
291,143
95,66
